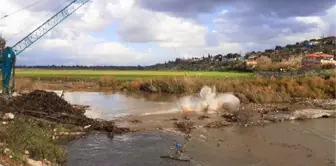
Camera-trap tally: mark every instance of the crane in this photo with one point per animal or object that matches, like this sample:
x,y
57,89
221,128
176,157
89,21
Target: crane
x,y
8,54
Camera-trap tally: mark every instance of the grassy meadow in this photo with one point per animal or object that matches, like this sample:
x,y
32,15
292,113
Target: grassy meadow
x,y
120,74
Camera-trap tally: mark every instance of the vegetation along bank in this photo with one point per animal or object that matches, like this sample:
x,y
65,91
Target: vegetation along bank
x,y
255,89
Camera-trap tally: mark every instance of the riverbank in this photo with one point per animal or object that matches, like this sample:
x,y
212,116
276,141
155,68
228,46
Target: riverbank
x,y
59,121
247,89
308,143
258,134
47,111
249,115
33,124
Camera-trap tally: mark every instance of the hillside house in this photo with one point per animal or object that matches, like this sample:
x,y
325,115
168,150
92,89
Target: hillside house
x,y
315,60
314,42
329,40
252,60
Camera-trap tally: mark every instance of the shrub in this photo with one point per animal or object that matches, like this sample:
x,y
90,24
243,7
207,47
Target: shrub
x,y
328,66
107,81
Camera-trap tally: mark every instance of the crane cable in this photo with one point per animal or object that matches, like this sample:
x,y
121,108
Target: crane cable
x,y
30,25
9,14
12,89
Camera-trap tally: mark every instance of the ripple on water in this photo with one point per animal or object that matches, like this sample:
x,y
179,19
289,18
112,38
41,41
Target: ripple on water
x,y
142,148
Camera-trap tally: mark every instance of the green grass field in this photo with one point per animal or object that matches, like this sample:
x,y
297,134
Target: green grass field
x,y
122,74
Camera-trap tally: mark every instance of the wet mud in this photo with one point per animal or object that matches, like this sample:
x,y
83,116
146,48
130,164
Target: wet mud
x,y
49,106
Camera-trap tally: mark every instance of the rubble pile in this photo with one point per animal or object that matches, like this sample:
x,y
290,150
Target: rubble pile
x,y
49,106
43,101
184,126
218,124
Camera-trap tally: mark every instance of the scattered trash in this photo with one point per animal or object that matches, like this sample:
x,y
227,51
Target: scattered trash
x,y
203,137
8,116
186,118
135,121
174,119
203,117
230,117
179,158
86,127
6,151
185,126
178,154
217,124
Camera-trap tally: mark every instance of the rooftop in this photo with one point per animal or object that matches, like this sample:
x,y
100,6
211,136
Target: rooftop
x,y
319,54
330,37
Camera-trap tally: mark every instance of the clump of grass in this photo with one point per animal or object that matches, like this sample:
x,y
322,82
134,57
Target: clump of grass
x,y
107,81
24,84
35,136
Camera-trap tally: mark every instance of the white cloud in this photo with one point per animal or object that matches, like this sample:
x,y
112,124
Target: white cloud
x,y
185,37
73,40
55,43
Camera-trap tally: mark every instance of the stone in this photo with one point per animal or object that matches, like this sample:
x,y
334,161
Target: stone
x,y
6,150
26,152
86,127
32,162
8,116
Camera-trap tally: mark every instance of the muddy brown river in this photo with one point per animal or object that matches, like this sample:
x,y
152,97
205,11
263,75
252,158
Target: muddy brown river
x,y
305,143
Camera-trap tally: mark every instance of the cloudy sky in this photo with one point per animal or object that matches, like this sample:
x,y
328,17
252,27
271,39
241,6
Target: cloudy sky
x,y
132,32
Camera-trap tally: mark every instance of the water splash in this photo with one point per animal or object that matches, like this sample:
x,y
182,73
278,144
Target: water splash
x,y
188,103
209,101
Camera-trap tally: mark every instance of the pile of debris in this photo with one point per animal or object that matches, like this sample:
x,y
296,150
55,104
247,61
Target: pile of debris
x,y
218,124
49,106
47,102
184,126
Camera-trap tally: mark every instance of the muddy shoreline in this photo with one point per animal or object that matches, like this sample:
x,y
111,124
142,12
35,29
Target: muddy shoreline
x,y
249,115
32,124
75,125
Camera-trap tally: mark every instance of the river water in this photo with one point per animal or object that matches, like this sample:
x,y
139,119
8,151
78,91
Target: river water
x,y
108,106
310,142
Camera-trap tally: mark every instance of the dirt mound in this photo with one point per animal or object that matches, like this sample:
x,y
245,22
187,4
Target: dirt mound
x,y
3,107
50,106
47,102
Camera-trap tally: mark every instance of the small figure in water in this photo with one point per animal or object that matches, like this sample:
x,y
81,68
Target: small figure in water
x,y
179,149
178,155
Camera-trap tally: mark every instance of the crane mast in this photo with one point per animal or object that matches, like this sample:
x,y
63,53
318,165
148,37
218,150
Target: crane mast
x,y
8,56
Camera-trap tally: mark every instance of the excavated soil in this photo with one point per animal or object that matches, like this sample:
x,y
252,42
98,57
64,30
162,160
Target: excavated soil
x,y
50,106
